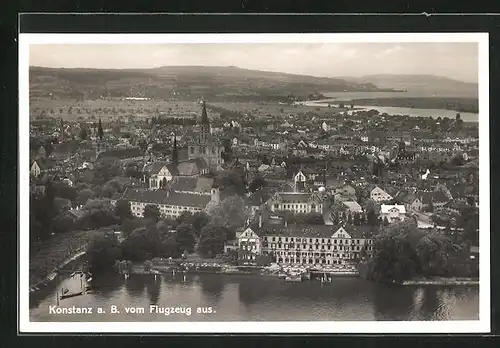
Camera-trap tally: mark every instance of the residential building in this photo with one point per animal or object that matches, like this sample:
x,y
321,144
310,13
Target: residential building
x,y
249,245
393,213
296,202
378,195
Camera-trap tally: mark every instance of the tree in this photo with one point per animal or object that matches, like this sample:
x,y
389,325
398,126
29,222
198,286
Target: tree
x,y
63,223
123,209
212,240
99,213
200,220
185,238
314,218
152,212
107,169
231,182
386,221
257,183
356,219
430,207
84,195
144,243
230,213
103,252
394,256
83,133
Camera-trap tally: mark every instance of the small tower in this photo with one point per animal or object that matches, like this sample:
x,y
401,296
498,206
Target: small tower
x,y
175,154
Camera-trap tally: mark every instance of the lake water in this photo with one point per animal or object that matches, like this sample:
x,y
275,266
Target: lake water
x,y
413,112
259,298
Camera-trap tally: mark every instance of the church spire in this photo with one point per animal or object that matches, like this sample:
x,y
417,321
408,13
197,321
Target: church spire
x,y
204,116
175,155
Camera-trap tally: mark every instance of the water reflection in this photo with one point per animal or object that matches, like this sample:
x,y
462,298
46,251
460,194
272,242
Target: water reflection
x,y
135,285
107,284
430,304
392,302
212,286
245,298
153,288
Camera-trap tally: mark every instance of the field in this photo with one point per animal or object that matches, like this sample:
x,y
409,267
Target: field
x,y
107,110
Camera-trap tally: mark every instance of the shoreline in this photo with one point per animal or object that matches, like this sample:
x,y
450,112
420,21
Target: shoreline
x,y
51,276
441,282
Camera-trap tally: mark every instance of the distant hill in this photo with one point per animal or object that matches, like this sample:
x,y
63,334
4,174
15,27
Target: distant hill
x,y
423,85
182,82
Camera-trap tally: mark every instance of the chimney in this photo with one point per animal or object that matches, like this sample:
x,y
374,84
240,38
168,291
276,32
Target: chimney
x,y
260,220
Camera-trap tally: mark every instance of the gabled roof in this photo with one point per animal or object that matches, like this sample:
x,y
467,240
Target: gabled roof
x,y
385,208
166,197
191,184
353,206
155,167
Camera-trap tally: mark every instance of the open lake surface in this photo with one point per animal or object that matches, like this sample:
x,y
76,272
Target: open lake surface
x,y
413,112
257,298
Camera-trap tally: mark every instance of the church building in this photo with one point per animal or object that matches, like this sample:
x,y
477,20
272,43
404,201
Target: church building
x,y
204,145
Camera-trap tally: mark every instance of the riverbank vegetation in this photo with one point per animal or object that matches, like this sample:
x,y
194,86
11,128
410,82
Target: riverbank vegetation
x,y
403,252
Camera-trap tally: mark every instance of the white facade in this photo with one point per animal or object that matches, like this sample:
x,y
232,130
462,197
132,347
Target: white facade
x,y
35,169
338,249
379,195
297,203
393,213
156,179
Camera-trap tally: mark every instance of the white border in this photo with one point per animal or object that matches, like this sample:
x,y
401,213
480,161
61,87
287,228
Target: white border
x,y
483,325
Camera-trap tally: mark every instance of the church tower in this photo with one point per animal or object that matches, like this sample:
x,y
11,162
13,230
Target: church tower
x,y
205,124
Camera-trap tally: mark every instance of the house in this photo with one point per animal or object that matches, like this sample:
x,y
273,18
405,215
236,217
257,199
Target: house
x,y
352,207
393,213
438,199
346,191
299,181
249,245
378,195
411,202
296,202
454,207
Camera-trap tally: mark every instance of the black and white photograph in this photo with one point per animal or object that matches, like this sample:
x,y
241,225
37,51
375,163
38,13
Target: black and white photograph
x,y
312,183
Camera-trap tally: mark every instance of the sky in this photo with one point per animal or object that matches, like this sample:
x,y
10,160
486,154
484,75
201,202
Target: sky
x,y
458,61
